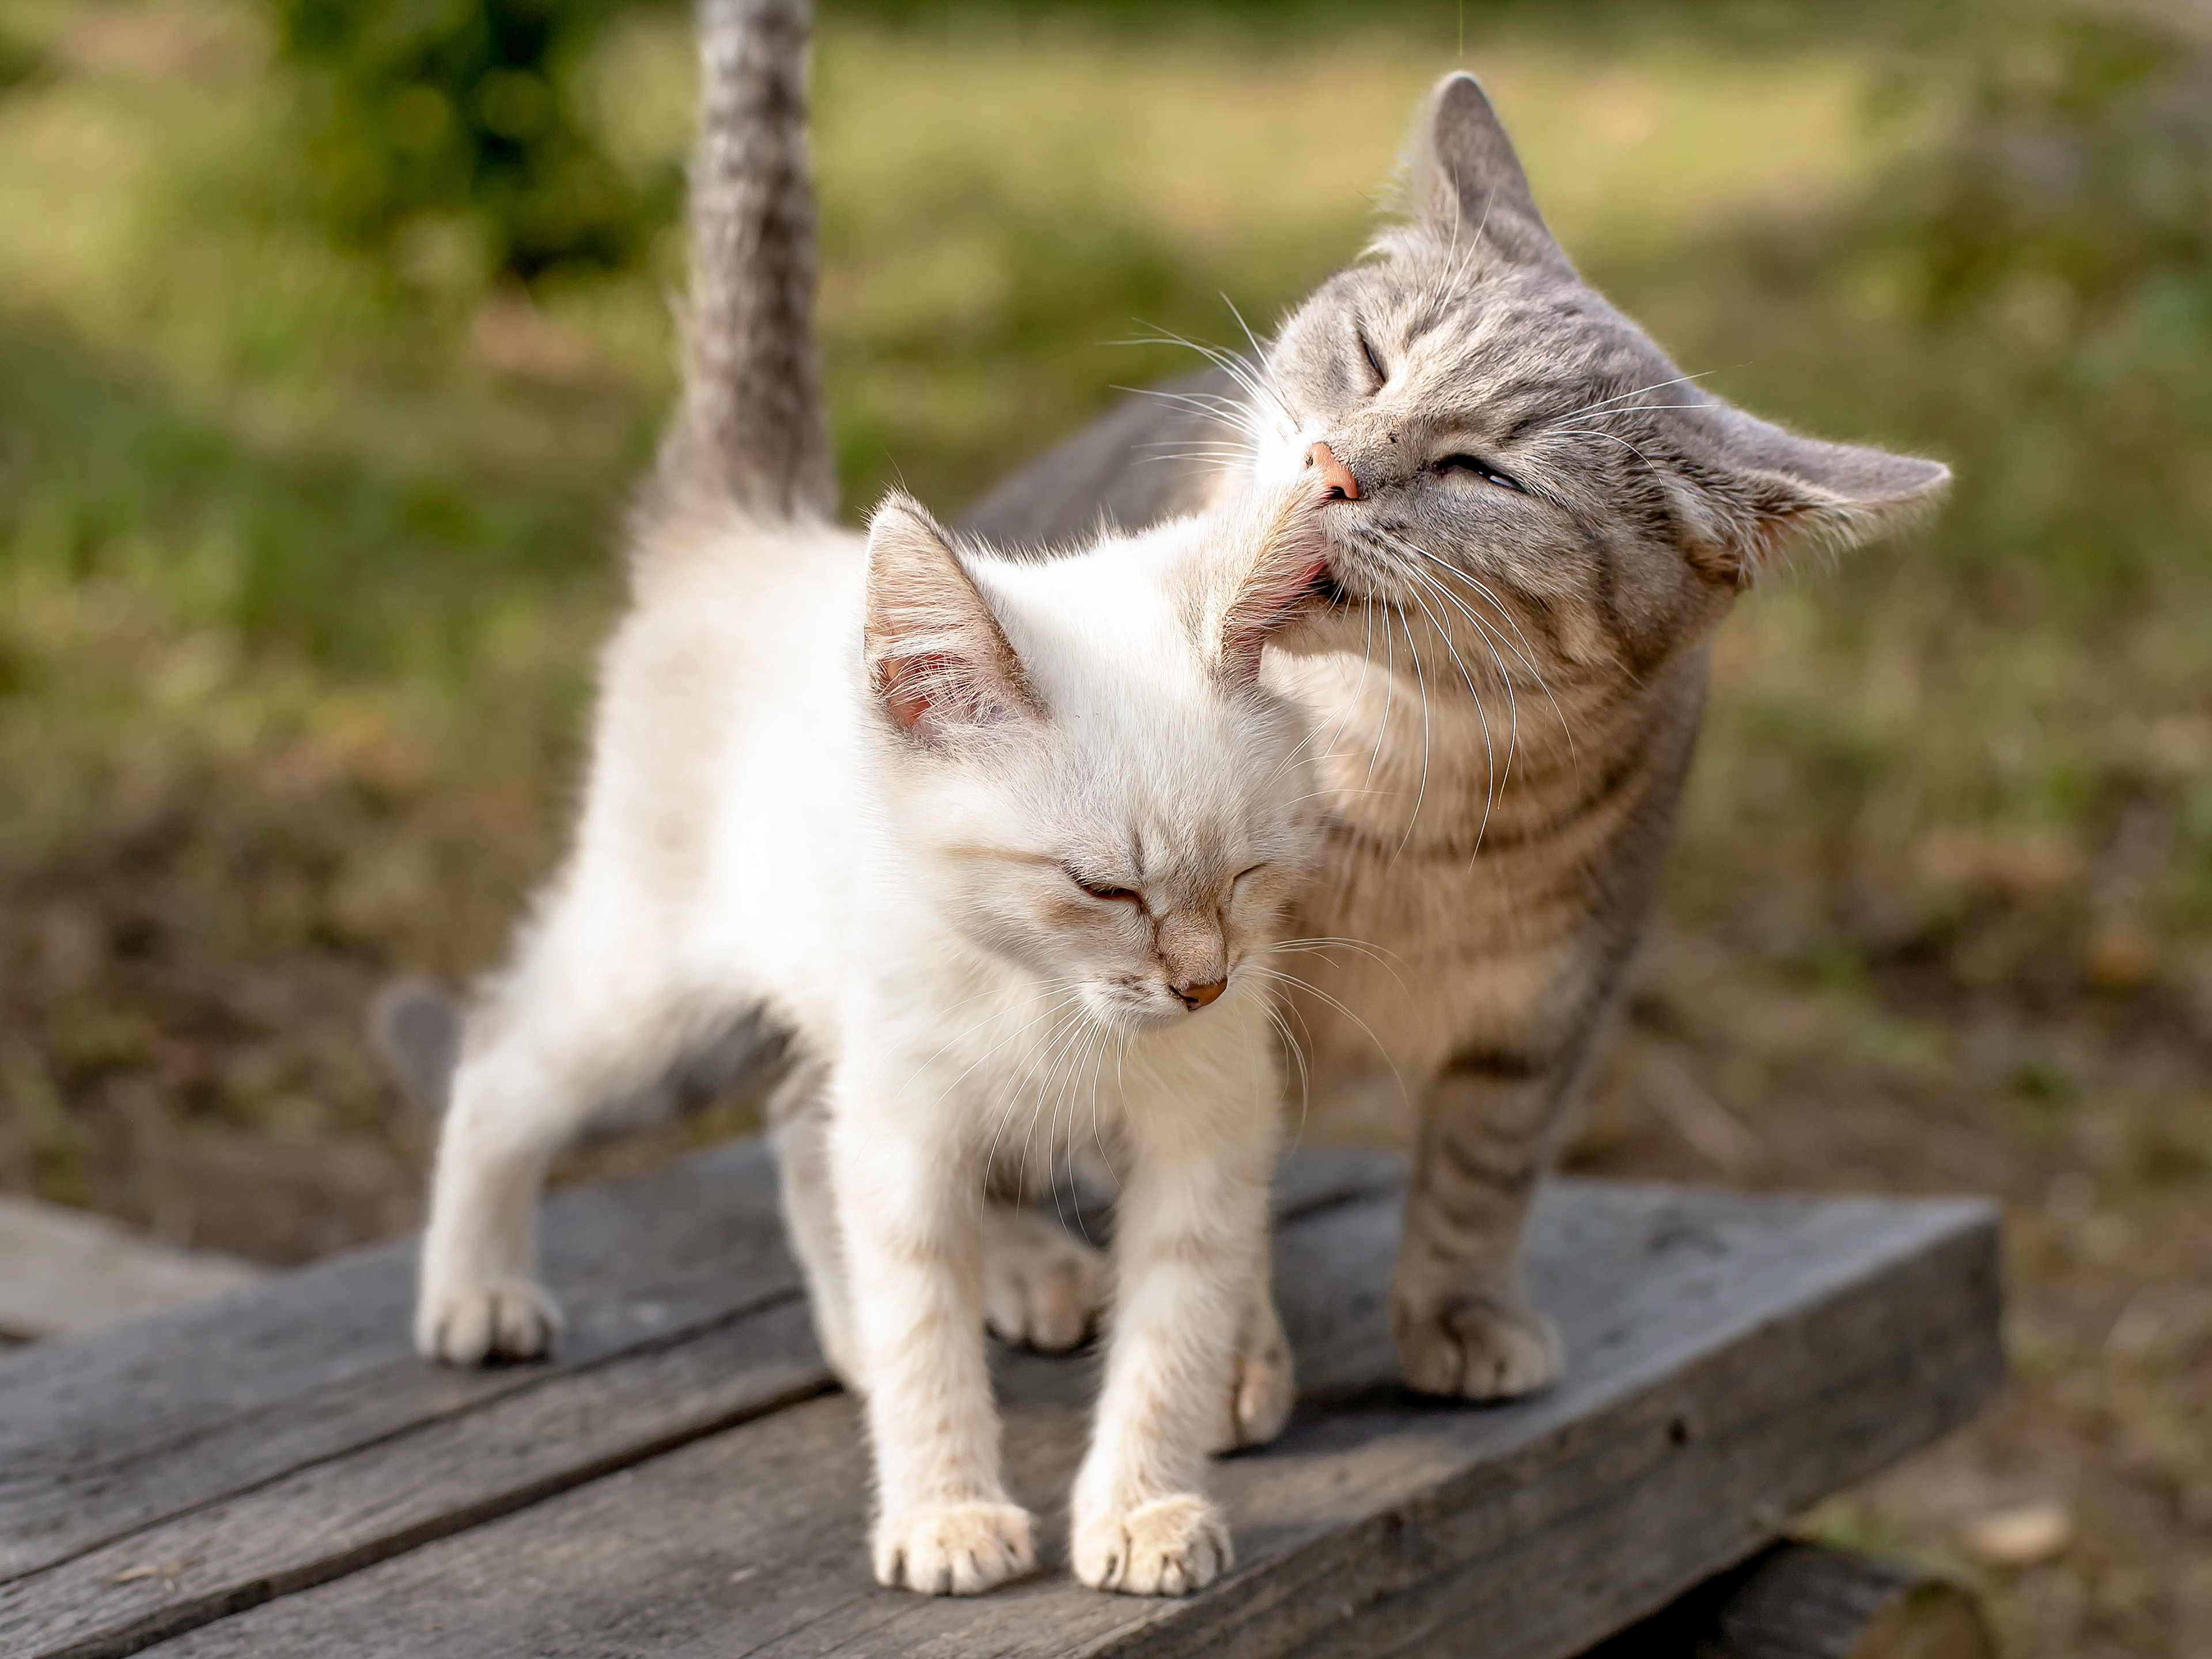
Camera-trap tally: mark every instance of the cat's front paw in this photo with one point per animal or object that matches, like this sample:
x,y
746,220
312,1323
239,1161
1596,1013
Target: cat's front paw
x,y
474,1324
1041,1288
1170,1546
953,1549
1480,1347
1262,1387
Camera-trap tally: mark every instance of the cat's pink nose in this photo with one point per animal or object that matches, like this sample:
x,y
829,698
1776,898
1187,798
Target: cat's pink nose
x,y
1336,480
1197,996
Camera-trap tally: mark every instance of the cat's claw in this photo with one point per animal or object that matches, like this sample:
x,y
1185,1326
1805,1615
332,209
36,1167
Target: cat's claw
x,y
1171,1545
1262,1388
474,1324
1041,1287
953,1549
1480,1347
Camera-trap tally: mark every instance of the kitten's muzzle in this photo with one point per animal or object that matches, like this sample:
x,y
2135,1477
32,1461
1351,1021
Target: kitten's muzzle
x,y
1196,997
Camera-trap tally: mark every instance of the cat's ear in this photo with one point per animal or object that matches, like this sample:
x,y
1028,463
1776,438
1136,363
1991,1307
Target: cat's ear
x,y
1761,493
1468,182
937,658
1270,589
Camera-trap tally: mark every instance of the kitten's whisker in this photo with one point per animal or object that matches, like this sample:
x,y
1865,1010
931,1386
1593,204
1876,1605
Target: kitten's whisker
x,y
1062,1035
1315,991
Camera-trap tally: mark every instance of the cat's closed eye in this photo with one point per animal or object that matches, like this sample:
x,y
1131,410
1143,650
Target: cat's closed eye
x,y
1474,466
1374,362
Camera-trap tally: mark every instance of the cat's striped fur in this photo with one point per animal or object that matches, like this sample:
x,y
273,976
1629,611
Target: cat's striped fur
x,y
1546,521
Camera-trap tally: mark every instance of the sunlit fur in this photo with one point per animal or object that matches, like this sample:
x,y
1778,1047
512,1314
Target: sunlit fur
x,y
1550,518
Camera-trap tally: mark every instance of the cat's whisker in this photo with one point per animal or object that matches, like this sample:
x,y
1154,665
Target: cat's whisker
x,y
1390,690
1523,651
1592,432
1638,391
1489,756
1421,680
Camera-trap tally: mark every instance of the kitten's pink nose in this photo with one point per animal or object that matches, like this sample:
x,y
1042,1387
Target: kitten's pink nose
x,y
1336,480
1197,996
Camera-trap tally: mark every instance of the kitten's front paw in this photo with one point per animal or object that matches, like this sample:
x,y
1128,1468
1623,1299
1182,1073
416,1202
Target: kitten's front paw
x,y
953,1549
1262,1388
1480,1347
1041,1288
472,1324
1170,1546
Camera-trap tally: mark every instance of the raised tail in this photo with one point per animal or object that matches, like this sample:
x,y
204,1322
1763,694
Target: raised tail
x,y
751,430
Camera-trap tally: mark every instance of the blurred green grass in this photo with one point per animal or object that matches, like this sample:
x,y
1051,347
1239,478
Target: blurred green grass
x,y
304,552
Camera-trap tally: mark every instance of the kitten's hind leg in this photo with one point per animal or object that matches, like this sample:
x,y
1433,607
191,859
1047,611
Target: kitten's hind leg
x,y
1043,1287
1263,1382
574,1025
799,1125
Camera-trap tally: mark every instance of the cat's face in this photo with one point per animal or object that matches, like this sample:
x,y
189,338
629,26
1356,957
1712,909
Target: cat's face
x,y
1084,762
1517,462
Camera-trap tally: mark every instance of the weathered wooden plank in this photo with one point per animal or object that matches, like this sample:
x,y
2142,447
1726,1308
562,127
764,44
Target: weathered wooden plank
x,y
63,1273
668,1352
1798,1600
1735,1357
105,1435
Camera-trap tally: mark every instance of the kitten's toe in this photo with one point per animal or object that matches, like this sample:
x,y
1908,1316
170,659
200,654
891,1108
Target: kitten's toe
x,y
1041,1288
1170,1546
475,1324
1262,1389
1480,1347
953,1549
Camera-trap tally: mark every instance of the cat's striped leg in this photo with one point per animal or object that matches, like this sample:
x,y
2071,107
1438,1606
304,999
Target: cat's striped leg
x,y
1464,1324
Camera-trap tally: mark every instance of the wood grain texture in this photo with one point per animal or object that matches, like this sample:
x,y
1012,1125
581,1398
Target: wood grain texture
x,y
687,1318
1734,1358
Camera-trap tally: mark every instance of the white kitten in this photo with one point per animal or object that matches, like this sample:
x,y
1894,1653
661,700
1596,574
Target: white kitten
x,y
1004,844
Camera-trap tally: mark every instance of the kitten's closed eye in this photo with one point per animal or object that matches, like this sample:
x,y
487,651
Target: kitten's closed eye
x,y
1474,466
1105,891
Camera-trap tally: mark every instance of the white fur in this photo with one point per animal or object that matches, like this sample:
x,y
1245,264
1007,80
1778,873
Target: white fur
x,y
762,824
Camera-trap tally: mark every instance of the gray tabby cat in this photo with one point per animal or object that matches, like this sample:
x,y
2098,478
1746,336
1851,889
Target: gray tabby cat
x,y
1539,523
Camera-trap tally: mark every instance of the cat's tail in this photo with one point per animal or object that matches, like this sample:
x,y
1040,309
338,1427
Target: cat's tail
x,y
750,431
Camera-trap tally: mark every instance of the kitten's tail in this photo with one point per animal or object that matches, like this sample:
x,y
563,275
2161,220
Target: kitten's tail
x,y
750,431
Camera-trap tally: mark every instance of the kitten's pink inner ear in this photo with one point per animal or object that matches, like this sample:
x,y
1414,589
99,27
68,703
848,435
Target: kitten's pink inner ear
x,y
1292,558
906,688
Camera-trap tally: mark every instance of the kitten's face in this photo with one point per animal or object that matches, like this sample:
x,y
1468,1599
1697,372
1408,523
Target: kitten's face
x,y
1088,768
1521,466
